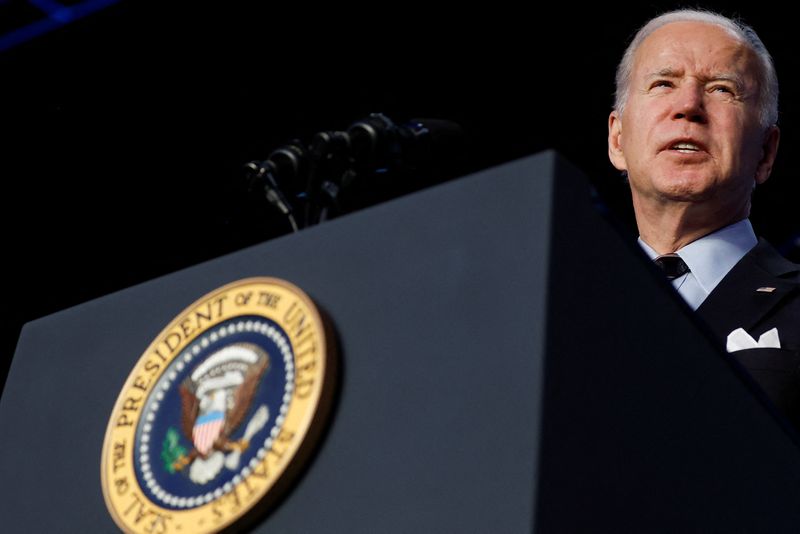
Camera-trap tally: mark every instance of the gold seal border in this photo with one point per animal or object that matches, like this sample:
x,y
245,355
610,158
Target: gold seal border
x,y
314,369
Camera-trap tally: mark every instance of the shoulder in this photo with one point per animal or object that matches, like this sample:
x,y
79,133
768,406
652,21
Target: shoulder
x,y
764,257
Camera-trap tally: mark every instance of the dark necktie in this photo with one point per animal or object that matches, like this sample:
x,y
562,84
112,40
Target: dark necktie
x,y
672,265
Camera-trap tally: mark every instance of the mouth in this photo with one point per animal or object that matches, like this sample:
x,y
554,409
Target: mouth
x,y
685,146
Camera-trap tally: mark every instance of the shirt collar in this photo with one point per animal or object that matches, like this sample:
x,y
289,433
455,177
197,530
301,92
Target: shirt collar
x,y
712,256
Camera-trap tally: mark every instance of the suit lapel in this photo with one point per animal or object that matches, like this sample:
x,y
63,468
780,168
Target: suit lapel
x,y
737,302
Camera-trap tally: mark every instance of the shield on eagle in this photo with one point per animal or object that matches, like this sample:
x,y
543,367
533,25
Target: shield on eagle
x,y
206,431
218,394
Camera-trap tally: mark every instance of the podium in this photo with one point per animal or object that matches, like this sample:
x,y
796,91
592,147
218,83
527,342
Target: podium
x,y
509,363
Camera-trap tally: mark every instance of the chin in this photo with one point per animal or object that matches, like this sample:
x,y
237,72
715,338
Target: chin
x,y
686,187
687,196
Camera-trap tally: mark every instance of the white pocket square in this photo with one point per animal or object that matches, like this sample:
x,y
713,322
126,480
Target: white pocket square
x,y
740,340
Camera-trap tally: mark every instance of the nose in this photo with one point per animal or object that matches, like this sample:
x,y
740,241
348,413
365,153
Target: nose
x,y
690,104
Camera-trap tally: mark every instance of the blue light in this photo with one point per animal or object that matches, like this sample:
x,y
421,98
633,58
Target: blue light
x,y
54,15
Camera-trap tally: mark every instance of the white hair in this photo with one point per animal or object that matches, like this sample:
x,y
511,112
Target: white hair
x,y
768,79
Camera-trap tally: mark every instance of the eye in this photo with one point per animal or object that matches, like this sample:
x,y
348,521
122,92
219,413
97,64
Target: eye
x,y
722,89
661,83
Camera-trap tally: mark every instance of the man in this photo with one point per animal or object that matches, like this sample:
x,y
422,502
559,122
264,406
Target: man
x,y
694,128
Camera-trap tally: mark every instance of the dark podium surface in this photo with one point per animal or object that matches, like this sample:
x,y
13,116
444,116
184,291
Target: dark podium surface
x,y
509,364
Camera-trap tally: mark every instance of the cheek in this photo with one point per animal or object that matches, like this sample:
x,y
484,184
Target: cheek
x,y
751,157
640,126
635,146
746,146
737,130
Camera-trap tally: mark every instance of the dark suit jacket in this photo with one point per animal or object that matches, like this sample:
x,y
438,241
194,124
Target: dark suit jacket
x,y
737,302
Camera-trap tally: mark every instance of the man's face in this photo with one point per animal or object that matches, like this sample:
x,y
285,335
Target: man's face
x,y
689,132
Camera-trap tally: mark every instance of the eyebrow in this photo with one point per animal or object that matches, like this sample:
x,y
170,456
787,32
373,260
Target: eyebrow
x,y
664,73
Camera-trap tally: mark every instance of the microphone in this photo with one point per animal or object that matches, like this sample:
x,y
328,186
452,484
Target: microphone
x,y
342,160
317,175
377,142
285,163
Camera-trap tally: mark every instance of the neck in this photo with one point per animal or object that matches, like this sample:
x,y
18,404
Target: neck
x,y
671,226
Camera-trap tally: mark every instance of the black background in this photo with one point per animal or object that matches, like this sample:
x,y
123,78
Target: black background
x,y
123,135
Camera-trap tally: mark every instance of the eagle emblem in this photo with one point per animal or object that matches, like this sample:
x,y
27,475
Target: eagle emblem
x,y
215,399
226,402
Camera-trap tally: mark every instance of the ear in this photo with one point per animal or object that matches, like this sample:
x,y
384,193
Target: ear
x,y
615,153
769,149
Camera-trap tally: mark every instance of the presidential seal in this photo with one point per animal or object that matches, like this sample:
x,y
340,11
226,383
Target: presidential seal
x,y
219,412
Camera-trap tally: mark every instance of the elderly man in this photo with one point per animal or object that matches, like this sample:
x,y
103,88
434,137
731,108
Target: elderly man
x,y
694,128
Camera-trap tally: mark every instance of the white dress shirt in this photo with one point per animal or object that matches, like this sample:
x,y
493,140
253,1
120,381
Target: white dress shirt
x,y
709,259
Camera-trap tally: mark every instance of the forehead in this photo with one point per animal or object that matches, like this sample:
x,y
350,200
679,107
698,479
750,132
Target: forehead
x,y
699,47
